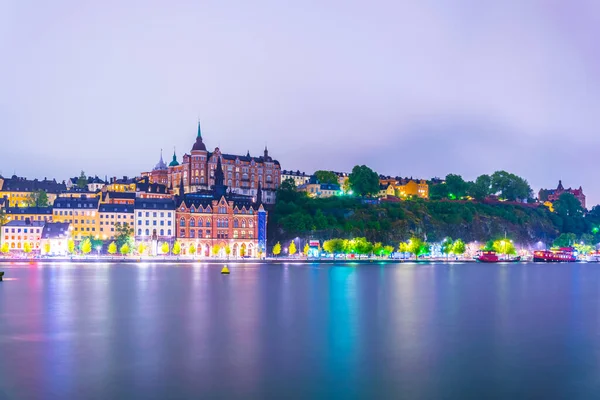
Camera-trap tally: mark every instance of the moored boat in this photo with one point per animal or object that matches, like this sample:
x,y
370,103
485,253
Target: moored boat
x,y
490,256
564,254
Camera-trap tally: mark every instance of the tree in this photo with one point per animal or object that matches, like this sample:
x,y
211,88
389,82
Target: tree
x,y
567,205
362,246
438,191
403,247
39,198
123,234
27,247
71,246
504,246
364,181
447,246
112,248
335,246
141,249
388,250
227,250
192,250
216,249
277,249
459,247
292,249
481,188
510,187
4,249
3,218
417,247
176,248
287,191
125,249
565,240
47,248
583,248
306,250
82,181
378,249
326,177
164,248
456,185
242,251
86,246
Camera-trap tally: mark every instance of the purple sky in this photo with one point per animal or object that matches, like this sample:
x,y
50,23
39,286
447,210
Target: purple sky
x,y
416,88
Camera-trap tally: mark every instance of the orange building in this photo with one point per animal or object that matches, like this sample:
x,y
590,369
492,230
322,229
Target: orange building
x,y
80,212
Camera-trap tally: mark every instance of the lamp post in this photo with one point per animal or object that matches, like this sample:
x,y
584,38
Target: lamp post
x,y
98,248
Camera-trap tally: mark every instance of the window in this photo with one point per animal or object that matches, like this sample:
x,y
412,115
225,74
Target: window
x,y
139,232
169,232
162,232
192,222
192,233
182,233
139,214
182,222
147,232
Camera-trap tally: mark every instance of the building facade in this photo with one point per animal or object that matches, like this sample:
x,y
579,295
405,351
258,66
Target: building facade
x,y
553,195
18,190
17,235
55,237
30,213
80,212
243,174
111,215
154,218
299,178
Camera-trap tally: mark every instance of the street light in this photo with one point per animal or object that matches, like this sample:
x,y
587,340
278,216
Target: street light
x,y
98,248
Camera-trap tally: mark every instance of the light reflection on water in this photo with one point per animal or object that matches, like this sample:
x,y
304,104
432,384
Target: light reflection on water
x,y
299,331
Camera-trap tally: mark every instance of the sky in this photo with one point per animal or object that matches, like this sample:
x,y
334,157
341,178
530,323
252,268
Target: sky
x,y
412,88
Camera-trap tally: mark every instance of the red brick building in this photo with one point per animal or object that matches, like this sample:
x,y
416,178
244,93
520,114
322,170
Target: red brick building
x,y
552,195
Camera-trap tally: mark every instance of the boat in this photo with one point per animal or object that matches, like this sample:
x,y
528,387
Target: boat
x,y
490,256
563,254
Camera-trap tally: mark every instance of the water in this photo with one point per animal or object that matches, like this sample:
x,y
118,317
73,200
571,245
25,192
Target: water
x,y
300,332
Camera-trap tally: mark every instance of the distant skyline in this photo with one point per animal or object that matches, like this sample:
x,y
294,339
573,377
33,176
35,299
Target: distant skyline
x,y
409,88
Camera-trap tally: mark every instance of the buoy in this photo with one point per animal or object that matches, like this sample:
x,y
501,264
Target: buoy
x,y
225,270
1,275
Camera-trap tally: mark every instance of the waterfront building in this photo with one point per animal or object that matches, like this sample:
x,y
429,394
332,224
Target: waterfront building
x,y
112,214
243,174
54,239
403,187
18,190
30,213
299,178
220,217
80,212
154,218
17,233
553,195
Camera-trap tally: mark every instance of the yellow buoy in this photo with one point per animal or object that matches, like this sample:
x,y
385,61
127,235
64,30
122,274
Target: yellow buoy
x,y
225,270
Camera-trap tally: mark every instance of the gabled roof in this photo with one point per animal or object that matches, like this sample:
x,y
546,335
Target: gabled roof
x,y
55,230
17,184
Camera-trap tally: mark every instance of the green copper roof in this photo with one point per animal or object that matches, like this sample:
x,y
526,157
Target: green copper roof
x,y
174,163
199,131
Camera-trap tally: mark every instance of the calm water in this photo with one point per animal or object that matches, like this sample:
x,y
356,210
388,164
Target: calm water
x,y
300,332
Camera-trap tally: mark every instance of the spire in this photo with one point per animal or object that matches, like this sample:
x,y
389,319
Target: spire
x,y
560,185
266,152
174,162
199,145
199,130
181,187
248,153
259,194
219,176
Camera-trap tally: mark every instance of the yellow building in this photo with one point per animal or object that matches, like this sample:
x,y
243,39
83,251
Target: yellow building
x,y
18,190
29,213
122,185
80,212
110,215
387,190
414,188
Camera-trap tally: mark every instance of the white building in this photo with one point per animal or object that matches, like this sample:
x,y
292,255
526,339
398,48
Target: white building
x,y
16,233
154,218
55,238
299,178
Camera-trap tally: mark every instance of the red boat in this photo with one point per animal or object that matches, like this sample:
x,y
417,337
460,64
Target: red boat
x,y
490,256
564,254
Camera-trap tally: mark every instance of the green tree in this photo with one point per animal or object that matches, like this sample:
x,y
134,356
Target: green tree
x,y
416,247
125,249
459,247
242,252
510,187
71,246
123,234
326,177
287,193
3,217
447,246
504,246
306,250
176,248
438,191
164,248
456,185
227,250
388,250
364,181
378,249
112,248
481,188
362,246
565,240
567,205
86,246
47,248
292,249
277,249
192,249
82,181
403,247
39,198
216,249
4,249
584,249
27,247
